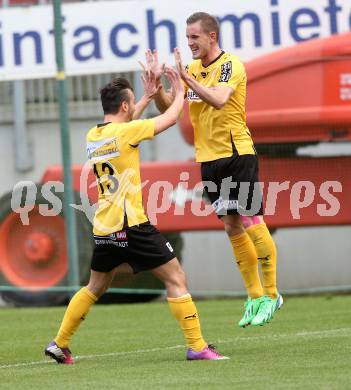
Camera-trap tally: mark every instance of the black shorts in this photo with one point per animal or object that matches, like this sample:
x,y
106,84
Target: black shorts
x,y
231,184
142,246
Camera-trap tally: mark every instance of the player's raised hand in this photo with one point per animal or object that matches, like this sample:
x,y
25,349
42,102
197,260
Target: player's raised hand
x,y
152,63
151,86
179,64
175,81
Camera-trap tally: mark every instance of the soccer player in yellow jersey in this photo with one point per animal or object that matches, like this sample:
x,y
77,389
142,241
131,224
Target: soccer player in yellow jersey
x,y
215,86
122,232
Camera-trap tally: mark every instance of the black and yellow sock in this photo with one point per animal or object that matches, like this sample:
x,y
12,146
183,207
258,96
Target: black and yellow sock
x,y
246,258
76,311
267,256
184,310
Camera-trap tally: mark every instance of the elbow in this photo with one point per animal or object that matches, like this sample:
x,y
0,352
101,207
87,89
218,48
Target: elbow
x,y
173,121
174,117
218,105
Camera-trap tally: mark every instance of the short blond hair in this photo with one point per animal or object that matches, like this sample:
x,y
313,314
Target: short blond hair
x,y
209,23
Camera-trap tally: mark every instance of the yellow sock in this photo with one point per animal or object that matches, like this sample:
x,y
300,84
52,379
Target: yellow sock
x,y
76,311
184,310
267,256
246,258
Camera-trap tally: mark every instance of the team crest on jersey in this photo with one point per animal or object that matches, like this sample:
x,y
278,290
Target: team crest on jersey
x,y
193,96
204,74
226,72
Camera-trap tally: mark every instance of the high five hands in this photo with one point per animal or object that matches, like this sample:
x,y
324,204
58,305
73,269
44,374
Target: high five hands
x,y
153,70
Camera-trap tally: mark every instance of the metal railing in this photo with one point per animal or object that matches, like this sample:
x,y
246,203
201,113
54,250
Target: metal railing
x,y
41,100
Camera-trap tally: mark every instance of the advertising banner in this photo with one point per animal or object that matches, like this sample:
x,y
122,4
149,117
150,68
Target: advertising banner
x,y
111,36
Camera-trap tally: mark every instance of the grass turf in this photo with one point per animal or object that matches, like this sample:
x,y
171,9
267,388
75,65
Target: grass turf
x,y
306,346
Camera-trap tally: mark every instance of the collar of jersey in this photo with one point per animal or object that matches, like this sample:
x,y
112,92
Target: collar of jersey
x,y
102,124
216,59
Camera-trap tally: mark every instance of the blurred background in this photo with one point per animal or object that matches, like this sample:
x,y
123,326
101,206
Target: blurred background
x,y
298,61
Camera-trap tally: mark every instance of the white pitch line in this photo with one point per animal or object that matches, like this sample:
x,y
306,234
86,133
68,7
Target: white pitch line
x,y
321,333
26,364
158,349
83,357
316,333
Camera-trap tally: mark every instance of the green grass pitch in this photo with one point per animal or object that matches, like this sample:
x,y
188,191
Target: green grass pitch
x,y
306,346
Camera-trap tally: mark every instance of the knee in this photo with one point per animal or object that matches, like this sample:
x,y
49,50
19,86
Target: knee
x,y
98,289
233,226
176,279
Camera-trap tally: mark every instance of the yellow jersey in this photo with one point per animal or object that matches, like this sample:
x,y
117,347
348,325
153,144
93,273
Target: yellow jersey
x,y
220,133
114,154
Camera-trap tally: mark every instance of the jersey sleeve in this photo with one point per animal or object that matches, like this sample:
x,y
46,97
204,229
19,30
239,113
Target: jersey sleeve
x,y
231,73
139,130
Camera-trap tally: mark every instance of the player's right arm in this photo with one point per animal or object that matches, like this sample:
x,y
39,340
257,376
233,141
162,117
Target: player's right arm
x,y
216,96
170,116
